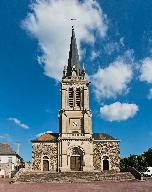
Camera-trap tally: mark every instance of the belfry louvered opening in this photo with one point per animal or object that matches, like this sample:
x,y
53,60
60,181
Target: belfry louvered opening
x,y
71,97
78,97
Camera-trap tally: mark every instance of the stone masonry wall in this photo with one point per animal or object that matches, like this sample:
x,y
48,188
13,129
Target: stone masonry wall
x,y
111,150
44,149
7,167
86,147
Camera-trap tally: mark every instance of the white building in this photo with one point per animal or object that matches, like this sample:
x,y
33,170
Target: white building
x,y
9,160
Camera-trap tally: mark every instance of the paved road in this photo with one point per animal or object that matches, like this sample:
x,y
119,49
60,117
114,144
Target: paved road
x,y
133,186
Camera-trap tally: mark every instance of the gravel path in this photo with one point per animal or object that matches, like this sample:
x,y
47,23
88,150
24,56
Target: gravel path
x,y
133,186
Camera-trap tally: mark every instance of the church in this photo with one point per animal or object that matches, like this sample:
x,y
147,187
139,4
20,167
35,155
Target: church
x,y
75,147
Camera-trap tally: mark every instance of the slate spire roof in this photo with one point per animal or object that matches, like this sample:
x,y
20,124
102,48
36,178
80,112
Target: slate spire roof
x,y
73,61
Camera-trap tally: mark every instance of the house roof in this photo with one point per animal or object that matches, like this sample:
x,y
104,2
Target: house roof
x,y
46,137
51,137
5,149
102,136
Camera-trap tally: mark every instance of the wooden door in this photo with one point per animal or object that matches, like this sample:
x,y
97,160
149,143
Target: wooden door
x,y
105,165
78,163
45,165
75,163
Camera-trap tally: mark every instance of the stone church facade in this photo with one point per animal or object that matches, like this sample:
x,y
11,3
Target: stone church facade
x,y
75,147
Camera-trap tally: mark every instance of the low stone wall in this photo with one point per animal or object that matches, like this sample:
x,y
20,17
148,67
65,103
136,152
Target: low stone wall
x,y
28,166
69,177
7,167
135,173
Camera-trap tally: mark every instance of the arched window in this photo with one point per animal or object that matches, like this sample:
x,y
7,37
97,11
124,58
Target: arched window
x,y
45,157
77,151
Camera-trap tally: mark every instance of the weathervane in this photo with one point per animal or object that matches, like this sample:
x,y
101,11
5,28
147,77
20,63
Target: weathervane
x,y
73,19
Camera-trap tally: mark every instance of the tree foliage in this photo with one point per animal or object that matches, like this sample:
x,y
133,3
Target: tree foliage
x,y
139,162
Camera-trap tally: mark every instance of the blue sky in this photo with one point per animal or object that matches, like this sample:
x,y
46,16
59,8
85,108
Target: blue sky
x,y
115,44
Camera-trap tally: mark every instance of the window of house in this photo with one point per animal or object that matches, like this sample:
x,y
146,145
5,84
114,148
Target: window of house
x,y
78,97
71,97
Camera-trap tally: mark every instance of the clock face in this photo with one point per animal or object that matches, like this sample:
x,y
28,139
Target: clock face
x,y
75,124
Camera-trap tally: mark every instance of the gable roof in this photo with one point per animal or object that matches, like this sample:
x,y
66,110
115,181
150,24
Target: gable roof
x,y
5,149
52,137
102,136
47,137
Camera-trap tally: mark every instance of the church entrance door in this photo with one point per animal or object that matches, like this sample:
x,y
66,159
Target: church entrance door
x,y
45,165
105,165
75,163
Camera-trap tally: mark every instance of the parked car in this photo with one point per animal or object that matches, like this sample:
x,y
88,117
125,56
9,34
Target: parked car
x,y
148,172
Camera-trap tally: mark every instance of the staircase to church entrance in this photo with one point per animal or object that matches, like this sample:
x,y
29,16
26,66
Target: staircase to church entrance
x,y
70,177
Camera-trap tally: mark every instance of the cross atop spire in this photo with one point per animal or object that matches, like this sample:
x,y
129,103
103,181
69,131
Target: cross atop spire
x,y
73,61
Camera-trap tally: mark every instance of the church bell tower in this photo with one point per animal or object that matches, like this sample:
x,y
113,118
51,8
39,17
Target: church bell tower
x,y
75,148
75,118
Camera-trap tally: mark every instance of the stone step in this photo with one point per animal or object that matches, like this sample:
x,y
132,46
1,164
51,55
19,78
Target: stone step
x,y
69,177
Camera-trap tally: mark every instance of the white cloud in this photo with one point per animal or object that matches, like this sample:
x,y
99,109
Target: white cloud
x,y
94,55
121,41
18,122
49,22
146,70
39,134
112,80
118,111
150,94
111,47
146,73
4,136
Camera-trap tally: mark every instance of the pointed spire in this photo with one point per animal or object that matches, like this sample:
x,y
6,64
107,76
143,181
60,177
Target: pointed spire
x,y
83,72
73,61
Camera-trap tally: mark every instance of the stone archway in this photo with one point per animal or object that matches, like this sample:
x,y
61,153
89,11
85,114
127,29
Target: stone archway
x,y
76,159
45,163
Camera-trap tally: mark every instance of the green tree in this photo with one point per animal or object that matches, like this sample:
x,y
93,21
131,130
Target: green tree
x,y
139,162
142,163
123,164
148,157
133,161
